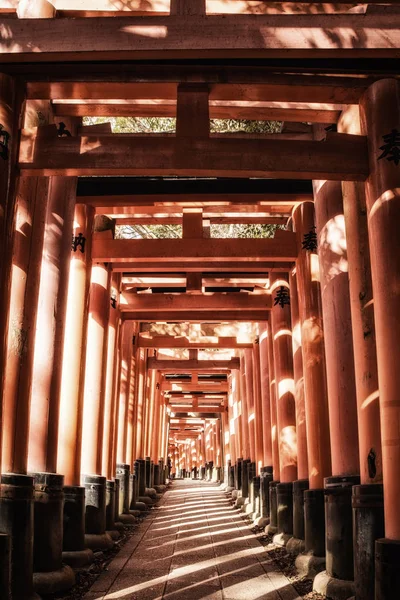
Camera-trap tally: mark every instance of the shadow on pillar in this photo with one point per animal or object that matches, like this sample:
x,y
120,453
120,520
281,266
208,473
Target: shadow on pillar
x,y
110,510
272,528
119,526
141,501
96,537
249,503
123,475
338,579
368,526
265,478
284,498
296,544
5,566
75,552
16,520
50,576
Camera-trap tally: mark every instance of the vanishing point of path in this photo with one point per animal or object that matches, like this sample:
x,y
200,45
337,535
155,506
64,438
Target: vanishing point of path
x,y
193,546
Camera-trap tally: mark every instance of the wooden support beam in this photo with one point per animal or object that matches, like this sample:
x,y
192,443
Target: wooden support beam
x,y
216,386
198,410
43,153
192,111
159,303
118,207
140,191
210,267
220,109
201,316
186,366
162,281
281,248
253,84
266,36
183,342
245,220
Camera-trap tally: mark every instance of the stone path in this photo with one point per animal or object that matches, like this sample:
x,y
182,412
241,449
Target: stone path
x,y
193,546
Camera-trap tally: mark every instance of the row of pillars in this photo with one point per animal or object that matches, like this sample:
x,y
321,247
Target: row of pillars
x,y
314,413
83,427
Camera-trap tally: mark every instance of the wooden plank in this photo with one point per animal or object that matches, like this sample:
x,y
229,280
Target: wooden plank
x,y
217,387
186,366
212,205
199,410
269,36
261,111
245,220
184,342
192,110
154,303
216,316
281,248
41,154
255,84
166,281
210,267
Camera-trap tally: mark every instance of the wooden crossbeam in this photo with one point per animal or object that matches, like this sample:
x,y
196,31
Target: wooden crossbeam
x,y
281,248
221,109
96,8
245,220
197,410
177,266
266,36
201,316
203,386
185,366
163,281
43,153
184,342
253,84
152,304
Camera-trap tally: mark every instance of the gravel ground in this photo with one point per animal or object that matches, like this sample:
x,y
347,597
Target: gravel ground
x,y
286,563
85,578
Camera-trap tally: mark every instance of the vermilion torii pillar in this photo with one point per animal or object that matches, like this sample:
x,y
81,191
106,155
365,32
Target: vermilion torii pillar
x,y
302,483
368,518
72,386
315,387
267,470
93,407
245,429
10,107
286,410
265,395
273,507
17,487
46,387
380,121
332,252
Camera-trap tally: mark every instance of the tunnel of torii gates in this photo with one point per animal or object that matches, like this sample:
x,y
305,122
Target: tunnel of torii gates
x,y
269,365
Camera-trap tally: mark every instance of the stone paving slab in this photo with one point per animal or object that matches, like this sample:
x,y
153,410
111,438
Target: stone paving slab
x,y
192,546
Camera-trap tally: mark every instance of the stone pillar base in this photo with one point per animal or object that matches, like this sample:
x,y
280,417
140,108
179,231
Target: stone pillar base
x,y
332,588
49,574
5,566
284,496
16,520
387,572
309,566
295,546
314,521
95,504
272,528
54,581
368,526
78,558
339,527
281,539
98,541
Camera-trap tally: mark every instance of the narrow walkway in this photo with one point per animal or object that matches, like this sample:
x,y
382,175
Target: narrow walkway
x,y
193,546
